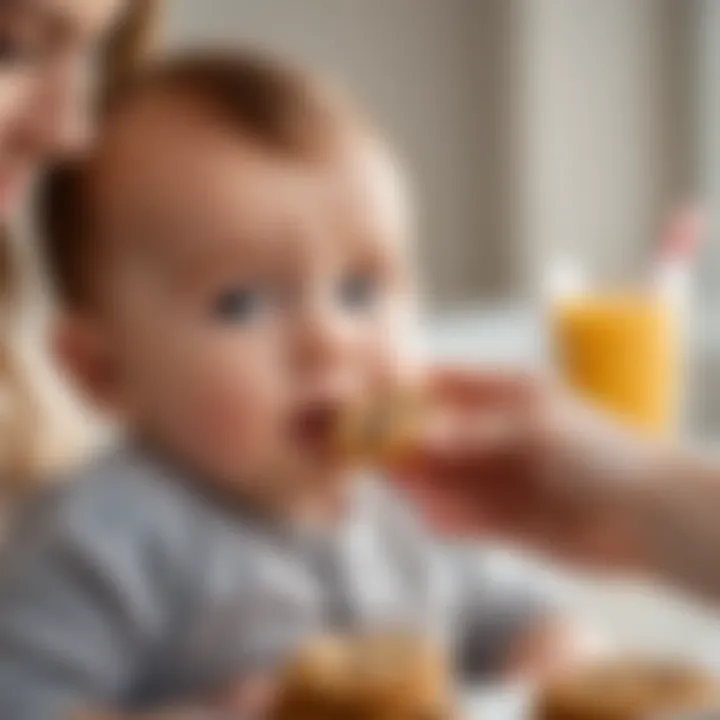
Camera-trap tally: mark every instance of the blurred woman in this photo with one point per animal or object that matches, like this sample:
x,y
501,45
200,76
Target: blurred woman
x,y
55,55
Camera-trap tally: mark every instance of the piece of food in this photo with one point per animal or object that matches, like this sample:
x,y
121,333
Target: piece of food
x,y
382,430
629,690
380,677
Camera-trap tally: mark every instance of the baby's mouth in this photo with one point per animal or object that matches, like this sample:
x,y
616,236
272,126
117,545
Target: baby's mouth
x,y
378,431
314,428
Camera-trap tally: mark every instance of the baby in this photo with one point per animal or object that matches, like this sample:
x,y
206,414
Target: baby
x,y
233,270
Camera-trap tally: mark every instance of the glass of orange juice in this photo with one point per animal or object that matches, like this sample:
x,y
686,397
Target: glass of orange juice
x,y
621,348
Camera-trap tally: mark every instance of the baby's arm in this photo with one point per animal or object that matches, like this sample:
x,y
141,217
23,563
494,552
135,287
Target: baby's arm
x,y
82,608
248,699
187,712
549,647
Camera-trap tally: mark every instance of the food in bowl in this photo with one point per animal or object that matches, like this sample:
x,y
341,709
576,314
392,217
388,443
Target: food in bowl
x,y
371,677
630,690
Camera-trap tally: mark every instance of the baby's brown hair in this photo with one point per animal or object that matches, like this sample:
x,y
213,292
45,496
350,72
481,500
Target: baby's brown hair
x,y
281,109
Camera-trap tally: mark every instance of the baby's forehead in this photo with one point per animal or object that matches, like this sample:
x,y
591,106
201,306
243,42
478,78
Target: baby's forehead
x,y
166,171
149,152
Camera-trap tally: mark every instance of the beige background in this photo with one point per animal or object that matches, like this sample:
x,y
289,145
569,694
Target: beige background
x,y
529,125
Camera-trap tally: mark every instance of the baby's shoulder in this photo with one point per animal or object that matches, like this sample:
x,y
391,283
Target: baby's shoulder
x,y
120,503
122,484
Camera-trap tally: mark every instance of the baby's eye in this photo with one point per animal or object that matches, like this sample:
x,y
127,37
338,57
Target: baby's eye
x,y
358,292
240,305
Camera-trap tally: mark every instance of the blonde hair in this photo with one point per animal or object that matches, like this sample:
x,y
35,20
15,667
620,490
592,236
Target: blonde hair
x,y
131,43
22,406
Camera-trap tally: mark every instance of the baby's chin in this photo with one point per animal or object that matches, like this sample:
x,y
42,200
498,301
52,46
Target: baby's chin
x,y
327,499
306,489
320,481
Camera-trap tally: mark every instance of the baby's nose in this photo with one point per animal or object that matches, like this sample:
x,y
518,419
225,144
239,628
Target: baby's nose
x,y
319,342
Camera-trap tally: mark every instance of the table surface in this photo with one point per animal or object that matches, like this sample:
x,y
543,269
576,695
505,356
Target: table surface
x,y
497,703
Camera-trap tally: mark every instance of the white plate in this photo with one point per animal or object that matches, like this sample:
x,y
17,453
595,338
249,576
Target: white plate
x,y
510,702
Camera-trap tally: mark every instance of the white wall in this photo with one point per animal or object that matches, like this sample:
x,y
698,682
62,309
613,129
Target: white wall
x,y
599,126
529,125
412,63
708,135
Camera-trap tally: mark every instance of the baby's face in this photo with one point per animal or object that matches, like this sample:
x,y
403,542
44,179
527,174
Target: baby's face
x,y
250,298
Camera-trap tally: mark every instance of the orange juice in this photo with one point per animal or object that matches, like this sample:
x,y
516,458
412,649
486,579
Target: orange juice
x,y
622,351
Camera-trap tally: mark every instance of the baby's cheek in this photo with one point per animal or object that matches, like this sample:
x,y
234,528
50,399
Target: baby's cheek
x,y
395,354
236,411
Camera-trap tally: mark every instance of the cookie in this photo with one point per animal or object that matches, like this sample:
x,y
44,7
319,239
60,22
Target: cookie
x,y
382,430
628,690
378,677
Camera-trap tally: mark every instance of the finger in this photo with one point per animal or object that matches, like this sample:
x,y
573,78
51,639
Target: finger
x,y
471,384
466,438
488,490
683,232
446,513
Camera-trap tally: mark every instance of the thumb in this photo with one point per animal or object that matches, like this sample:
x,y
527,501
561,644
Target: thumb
x,y
472,386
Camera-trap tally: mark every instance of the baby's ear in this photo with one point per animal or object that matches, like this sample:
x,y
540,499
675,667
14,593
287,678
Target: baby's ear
x,y
82,351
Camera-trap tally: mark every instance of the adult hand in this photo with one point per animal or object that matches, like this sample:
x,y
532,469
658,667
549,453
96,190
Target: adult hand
x,y
508,454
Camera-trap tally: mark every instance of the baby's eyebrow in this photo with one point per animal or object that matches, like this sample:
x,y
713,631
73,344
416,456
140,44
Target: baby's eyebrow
x,y
194,268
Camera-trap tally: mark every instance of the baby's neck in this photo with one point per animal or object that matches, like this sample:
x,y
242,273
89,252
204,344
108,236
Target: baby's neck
x,y
321,507
326,507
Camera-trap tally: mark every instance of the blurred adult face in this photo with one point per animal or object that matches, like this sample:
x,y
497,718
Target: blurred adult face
x,y
46,49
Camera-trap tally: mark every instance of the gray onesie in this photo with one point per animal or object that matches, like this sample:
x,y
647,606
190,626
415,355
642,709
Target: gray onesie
x,y
129,588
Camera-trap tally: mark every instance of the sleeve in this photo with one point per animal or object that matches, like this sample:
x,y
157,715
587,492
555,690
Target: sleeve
x,y
500,597
78,612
